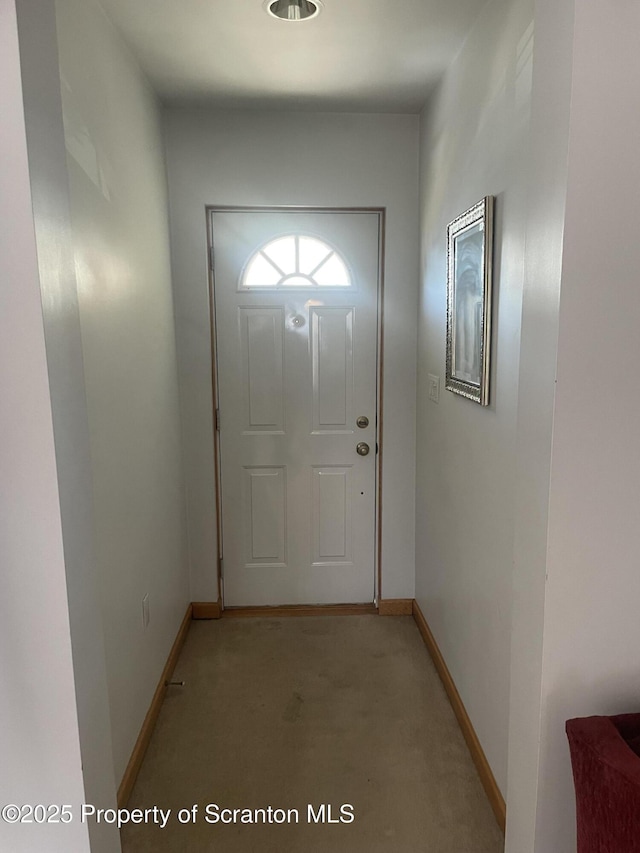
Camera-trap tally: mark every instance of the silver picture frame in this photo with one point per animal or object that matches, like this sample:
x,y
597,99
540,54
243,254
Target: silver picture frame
x,y
469,282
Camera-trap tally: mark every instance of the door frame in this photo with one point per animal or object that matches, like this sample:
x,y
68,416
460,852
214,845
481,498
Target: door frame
x,y
381,213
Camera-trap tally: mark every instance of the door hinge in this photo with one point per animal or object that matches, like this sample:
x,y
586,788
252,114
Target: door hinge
x,y
211,259
222,568
217,420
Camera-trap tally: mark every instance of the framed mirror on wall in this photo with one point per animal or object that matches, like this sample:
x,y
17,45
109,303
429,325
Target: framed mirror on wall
x,y
469,281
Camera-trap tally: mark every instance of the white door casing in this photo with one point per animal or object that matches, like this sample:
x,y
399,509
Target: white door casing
x,y
296,366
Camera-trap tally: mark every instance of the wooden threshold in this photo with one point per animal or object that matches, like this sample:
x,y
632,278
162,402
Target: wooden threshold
x,y
395,607
206,609
487,778
135,762
301,610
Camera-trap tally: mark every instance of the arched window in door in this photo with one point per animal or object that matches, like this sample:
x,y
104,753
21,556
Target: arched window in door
x,y
295,261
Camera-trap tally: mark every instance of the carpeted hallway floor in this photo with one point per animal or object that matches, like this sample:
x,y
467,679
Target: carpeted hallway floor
x,y
311,710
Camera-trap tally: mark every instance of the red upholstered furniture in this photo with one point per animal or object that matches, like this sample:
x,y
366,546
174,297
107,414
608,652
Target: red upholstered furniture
x,y
605,754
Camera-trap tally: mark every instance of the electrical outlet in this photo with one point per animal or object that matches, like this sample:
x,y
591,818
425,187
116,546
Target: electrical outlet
x,y
434,388
145,611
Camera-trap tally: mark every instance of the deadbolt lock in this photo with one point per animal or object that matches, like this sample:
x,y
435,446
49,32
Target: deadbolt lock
x,y
362,422
362,449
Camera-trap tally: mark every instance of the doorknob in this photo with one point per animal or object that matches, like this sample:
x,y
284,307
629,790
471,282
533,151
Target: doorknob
x,y
362,448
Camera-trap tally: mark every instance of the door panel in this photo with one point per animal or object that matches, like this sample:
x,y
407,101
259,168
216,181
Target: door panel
x,y
332,502
265,510
332,366
261,344
297,365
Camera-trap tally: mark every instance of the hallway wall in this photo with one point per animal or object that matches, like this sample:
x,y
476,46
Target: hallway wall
x,y
256,158
474,143
118,193
40,730
590,663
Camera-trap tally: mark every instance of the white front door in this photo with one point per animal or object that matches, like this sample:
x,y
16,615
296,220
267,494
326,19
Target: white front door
x,y
296,314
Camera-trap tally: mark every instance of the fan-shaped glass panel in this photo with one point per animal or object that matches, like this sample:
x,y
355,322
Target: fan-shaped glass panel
x,y
298,281
283,253
312,253
261,272
296,261
332,273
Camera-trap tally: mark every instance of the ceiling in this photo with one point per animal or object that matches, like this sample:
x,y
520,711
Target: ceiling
x,y
357,55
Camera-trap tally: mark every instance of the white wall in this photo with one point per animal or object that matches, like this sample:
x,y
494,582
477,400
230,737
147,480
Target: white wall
x,y
547,181
39,730
474,143
288,159
38,559
592,630
117,185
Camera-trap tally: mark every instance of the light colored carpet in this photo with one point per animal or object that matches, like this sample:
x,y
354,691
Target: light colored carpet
x,y
310,710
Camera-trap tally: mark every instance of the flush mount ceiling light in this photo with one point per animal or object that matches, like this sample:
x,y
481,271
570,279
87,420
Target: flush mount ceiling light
x,y
293,10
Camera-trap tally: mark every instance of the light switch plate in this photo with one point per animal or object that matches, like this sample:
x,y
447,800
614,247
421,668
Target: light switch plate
x,y
434,388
